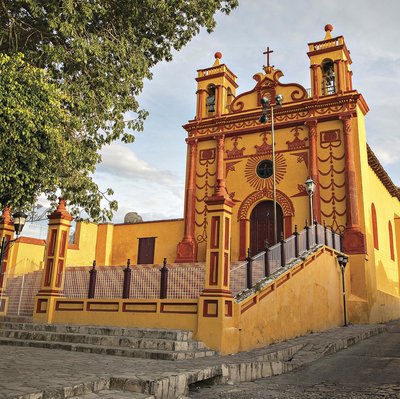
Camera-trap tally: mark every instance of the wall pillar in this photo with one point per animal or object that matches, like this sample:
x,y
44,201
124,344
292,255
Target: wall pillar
x,y
218,100
312,127
200,102
187,248
339,75
215,315
55,261
354,239
6,232
314,81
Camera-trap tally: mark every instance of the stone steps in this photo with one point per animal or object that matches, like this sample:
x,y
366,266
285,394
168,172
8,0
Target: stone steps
x,y
139,343
106,394
179,335
102,340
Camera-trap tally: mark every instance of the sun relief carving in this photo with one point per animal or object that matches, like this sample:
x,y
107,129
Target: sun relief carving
x,y
258,182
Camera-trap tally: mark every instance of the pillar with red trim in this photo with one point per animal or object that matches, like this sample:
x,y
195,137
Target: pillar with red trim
x,y
215,315
55,260
7,232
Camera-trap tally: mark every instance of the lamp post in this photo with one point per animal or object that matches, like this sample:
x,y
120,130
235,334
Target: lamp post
x,y
310,187
342,260
19,219
264,119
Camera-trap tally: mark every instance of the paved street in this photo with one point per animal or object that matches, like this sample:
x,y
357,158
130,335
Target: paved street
x,y
370,369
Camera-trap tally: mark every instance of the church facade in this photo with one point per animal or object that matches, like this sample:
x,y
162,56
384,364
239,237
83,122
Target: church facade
x,y
248,157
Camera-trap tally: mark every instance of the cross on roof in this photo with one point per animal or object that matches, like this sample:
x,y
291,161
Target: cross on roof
x,y
268,52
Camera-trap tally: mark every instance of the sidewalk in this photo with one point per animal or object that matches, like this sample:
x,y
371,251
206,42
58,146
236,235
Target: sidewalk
x,y
34,373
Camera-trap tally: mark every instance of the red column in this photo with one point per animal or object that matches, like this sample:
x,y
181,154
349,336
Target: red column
x,y
339,83
187,248
312,127
218,98
314,74
354,240
6,232
200,100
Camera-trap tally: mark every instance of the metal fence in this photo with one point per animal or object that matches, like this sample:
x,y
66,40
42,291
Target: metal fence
x,y
255,268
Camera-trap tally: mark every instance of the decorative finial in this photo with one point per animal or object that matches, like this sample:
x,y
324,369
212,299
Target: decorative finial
x,y
61,211
218,56
328,29
61,204
6,216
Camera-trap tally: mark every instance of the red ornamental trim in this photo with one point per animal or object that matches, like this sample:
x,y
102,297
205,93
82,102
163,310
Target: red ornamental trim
x,y
297,143
282,199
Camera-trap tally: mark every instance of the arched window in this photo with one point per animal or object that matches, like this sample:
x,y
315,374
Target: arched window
x,y
391,241
229,98
328,77
210,102
374,227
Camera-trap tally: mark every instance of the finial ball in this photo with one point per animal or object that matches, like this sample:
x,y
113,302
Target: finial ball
x,y
329,28
218,55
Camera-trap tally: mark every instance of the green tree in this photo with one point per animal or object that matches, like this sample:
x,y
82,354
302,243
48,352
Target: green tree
x,y
41,147
98,52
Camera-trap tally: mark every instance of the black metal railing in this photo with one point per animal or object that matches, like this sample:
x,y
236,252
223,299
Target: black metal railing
x,y
267,262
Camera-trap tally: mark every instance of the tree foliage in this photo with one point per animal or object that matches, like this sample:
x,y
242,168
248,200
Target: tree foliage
x,y
41,145
98,52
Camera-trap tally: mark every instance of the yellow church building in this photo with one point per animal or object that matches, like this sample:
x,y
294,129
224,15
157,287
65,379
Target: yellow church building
x,y
255,258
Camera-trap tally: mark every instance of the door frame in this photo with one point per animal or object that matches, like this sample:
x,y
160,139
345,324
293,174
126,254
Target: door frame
x,y
246,208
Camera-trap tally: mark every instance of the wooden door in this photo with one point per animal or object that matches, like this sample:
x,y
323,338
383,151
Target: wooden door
x,y
262,225
146,250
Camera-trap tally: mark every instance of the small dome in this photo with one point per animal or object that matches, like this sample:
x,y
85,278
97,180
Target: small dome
x,y
132,217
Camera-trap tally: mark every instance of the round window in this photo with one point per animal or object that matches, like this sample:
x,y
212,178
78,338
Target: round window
x,y
265,168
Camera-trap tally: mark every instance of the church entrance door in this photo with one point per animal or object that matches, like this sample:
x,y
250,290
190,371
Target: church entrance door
x,y
262,225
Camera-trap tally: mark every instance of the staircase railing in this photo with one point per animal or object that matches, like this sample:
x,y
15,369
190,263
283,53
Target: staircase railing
x,y
255,268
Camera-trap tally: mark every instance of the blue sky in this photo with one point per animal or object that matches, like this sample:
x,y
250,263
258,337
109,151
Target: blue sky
x,y
148,175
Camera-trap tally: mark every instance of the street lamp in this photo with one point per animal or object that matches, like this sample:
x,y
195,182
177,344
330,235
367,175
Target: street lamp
x,y
19,219
342,260
310,188
264,119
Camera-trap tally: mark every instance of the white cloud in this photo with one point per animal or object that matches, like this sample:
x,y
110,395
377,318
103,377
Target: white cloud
x,y
148,176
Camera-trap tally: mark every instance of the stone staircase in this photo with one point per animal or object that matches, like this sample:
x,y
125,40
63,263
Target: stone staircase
x,y
130,342
106,394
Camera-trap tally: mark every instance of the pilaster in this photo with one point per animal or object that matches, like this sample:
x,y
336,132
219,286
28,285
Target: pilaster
x,y
216,305
354,239
187,248
6,233
55,260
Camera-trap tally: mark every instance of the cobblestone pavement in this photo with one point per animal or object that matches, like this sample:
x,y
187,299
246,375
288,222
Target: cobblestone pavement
x,y
42,373
370,369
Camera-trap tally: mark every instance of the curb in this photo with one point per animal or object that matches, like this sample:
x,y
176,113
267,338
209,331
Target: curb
x,y
264,362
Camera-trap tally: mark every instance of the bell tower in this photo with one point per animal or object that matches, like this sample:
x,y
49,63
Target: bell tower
x,y
216,89
330,66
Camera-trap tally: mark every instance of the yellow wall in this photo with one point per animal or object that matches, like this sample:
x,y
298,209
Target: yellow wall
x,y
26,257
126,240
305,299
384,275
83,251
150,313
